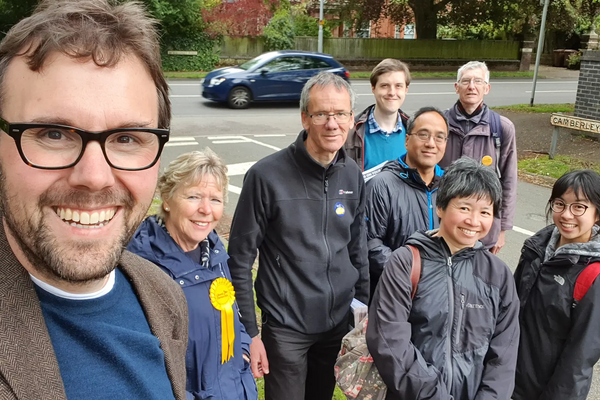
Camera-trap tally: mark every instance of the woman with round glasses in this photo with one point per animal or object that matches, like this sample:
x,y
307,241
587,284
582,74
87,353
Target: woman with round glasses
x,y
560,342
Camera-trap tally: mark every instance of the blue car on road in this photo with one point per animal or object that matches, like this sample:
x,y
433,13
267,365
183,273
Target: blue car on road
x,y
273,76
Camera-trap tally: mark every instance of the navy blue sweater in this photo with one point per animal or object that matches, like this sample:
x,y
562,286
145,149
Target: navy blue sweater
x,y
104,346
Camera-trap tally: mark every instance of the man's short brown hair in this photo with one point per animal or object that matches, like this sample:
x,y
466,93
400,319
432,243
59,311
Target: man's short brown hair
x,y
389,65
88,29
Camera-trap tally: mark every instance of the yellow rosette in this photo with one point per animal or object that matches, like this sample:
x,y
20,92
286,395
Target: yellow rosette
x,y
222,297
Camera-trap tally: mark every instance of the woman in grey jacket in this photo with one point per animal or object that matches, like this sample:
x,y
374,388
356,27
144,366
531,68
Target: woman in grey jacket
x,y
458,337
560,308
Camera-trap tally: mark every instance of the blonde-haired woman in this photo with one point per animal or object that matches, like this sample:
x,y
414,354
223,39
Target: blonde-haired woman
x,y
183,242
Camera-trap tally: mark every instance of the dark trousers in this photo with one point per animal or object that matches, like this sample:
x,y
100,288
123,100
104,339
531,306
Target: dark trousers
x,y
301,365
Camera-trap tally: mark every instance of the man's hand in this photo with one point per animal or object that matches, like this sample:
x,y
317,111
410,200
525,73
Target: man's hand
x,y
499,244
258,358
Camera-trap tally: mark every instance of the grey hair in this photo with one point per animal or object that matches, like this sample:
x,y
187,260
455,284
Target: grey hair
x,y
410,125
466,178
474,65
189,169
325,79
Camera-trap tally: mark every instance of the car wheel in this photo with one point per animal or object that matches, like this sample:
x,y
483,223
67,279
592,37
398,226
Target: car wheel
x,y
239,97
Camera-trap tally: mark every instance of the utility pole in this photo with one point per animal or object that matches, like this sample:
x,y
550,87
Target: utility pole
x,y
320,44
540,48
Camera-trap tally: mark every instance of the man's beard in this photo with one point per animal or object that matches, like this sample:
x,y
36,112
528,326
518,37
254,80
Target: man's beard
x,y
73,261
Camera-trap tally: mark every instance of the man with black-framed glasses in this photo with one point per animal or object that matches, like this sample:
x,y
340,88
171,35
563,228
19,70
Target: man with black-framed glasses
x,y
401,199
84,115
303,209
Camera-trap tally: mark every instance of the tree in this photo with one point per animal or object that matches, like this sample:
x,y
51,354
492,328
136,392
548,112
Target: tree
x,y
279,32
240,18
12,11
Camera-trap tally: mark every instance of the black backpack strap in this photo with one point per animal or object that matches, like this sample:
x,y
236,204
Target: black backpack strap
x,y
496,132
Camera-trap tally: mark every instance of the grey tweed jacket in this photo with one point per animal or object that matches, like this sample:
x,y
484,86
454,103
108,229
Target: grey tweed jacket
x,y
28,366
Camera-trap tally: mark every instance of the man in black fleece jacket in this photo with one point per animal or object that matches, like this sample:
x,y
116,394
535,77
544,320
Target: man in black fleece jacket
x,y
303,208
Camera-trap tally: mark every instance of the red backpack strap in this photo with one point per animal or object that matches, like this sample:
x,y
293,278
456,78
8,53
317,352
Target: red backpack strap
x,y
585,280
415,273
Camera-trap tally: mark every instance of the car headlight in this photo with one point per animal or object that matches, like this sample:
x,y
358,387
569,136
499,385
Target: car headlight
x,y
217,81
201,81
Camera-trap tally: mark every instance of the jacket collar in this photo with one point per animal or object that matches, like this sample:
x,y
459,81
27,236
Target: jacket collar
x,y
307,163
435,247
411,176
152,242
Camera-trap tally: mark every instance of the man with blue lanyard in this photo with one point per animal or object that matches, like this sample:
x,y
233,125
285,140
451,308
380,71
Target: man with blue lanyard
x,y
380,130
401,199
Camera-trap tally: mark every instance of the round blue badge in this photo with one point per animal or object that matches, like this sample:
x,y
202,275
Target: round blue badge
x,y
339,209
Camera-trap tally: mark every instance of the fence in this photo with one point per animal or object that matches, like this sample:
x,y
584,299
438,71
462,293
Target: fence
x,y
374,49
354,48
246,47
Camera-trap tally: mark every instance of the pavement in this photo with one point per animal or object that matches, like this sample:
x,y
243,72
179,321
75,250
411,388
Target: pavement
x,y
549,72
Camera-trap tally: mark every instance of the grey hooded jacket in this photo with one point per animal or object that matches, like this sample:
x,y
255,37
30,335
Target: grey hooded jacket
x,y
559,338
472,138
457,339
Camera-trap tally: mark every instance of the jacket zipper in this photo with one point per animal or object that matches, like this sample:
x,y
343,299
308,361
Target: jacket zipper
x,y
460,318
450,319
325,216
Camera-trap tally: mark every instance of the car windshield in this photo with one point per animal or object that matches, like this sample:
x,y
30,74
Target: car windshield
x,y
249,64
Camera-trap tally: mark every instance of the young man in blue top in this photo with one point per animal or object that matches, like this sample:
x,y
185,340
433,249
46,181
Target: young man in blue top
x,y
84,116
402,198
380,130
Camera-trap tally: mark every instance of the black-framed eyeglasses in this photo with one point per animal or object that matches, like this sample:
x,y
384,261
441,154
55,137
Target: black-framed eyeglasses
x,y
54,146
559,206
439,138
322,118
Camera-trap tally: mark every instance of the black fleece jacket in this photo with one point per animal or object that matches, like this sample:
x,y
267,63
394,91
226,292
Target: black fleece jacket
x,y
308,222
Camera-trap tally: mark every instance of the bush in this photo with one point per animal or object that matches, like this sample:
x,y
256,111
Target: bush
x,y
208,52
279,32
574,61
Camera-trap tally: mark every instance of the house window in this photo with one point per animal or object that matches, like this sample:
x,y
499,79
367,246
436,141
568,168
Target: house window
x,y
364,31
409,31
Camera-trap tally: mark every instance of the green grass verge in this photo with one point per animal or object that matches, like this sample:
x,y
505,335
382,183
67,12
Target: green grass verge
x,y
543,165
260,383
185,75
154,207
539,108
367,74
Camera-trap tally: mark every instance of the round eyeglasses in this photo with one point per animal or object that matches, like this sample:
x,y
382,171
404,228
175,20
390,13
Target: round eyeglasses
x,y
53,146
439,138
559,206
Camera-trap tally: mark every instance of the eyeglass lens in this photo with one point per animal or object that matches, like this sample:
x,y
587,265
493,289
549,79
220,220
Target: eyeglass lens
x,y
576,209
53,147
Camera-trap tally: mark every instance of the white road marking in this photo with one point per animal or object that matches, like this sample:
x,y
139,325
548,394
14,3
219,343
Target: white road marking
x,y
185,84
223,137
234,189
185,95
175,144
275,135
181,138
523,231
239,169
263,144
228,141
